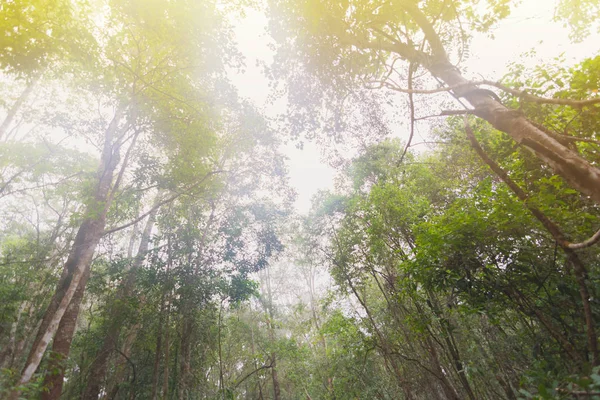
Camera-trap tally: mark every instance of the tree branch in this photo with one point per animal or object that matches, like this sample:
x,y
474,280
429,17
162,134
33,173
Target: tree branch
x,y
586,243
252,373
162,203
411,105
522,94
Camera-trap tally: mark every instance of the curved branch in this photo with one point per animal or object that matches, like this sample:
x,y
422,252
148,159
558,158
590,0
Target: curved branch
x,y
160,204
252,373
129,361
522,94
586,243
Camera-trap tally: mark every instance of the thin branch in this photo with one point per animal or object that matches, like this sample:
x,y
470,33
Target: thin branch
x,y
252,373
162,203
586,243
522,94
445,113
579,139
129,361
411,105
429,142
515,92
115,187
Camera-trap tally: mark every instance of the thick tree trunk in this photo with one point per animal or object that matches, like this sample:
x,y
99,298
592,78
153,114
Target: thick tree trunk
x,y
577,171
88,236
61,345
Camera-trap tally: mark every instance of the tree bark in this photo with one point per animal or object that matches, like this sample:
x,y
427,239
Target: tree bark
x,y
576,265
165,388
88,236
100,365
576,170
61,345
186,355
157,356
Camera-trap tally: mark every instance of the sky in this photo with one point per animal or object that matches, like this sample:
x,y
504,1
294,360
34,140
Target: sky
x,y
529,26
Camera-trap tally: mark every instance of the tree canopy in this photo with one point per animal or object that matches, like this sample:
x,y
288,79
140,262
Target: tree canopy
x,y
149,245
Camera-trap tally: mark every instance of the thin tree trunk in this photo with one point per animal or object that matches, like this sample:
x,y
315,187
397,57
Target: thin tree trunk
x,y
167,292
7,355
10,116
447,387
185,362
99,366
451,346
165,389
270,315
221,375
253,349
275,378
157,356
122,364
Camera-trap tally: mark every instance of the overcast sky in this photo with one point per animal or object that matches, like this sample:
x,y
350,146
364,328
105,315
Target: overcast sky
x,y
529,26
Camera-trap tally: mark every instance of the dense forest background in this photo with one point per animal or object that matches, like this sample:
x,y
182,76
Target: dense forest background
x,y
149,246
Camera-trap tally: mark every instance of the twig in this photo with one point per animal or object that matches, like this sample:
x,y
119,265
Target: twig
x,y
411,105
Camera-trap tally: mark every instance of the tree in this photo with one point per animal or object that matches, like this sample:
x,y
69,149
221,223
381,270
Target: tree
x,y
347,46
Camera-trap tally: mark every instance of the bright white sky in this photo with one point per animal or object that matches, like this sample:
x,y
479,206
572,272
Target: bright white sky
x,y
529,26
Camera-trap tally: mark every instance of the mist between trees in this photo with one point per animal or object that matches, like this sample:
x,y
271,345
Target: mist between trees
x,y
149,246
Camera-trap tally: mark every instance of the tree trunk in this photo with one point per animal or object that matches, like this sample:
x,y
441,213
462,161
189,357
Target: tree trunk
x,y
186,355
447,387
121,365
157,356
61,345
10,115
573,260
119,312
88,236
165,389
270,317
276,387
576,170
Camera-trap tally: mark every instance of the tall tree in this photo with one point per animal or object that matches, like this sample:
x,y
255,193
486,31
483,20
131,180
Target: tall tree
x,y
352,45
